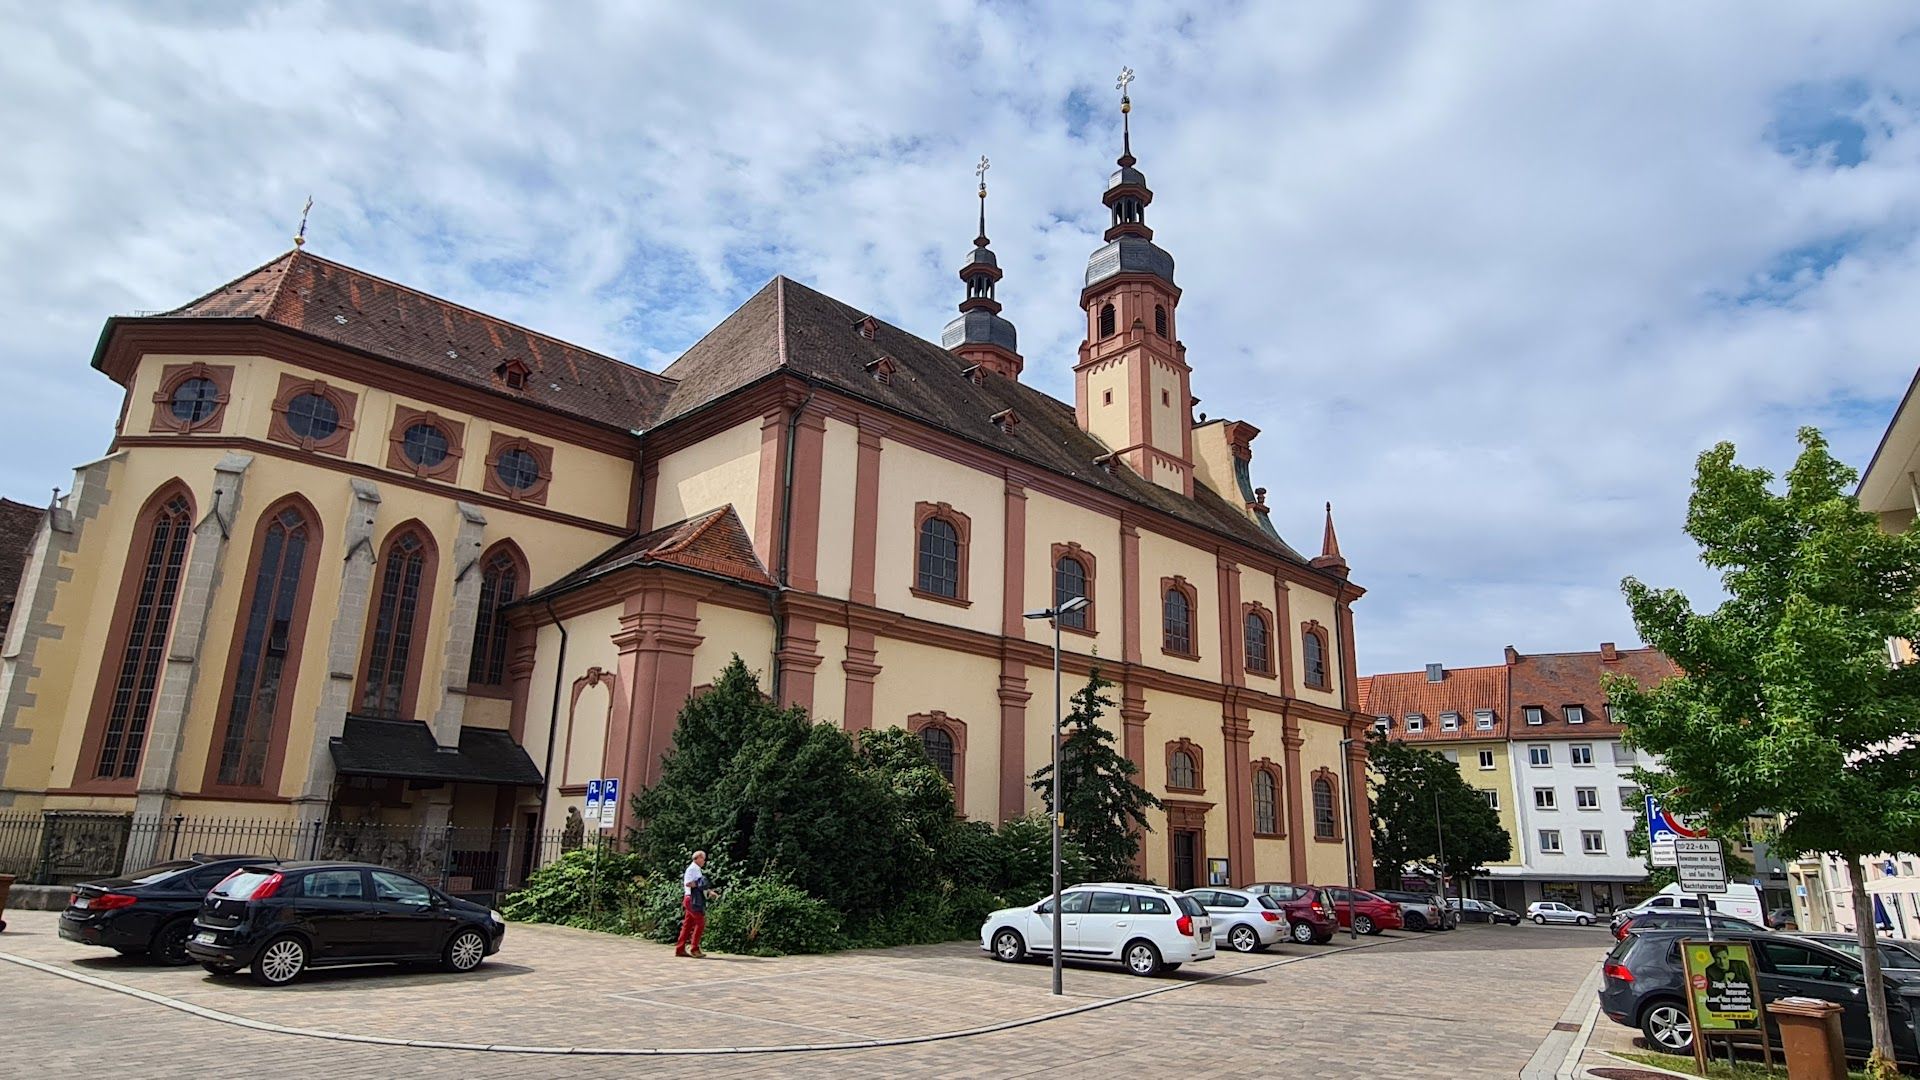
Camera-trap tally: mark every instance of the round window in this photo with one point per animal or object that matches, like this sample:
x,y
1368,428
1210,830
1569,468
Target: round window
x,y
425,445
194,400
517,468
312,416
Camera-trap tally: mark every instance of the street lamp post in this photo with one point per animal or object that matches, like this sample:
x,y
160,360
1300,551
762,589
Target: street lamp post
x,y
1052,615
1353,880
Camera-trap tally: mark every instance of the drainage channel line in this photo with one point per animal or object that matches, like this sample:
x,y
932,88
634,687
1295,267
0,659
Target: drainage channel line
x,y
218,1016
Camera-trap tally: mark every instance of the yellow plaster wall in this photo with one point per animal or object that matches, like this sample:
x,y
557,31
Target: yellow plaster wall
x,y
727,631
909,476
830,679
1499,779
916,678
1053,521
720,469
1168,419
1161,557
579,745
1326,861
1213,462
840,454
1171,717
1109,423
1307,603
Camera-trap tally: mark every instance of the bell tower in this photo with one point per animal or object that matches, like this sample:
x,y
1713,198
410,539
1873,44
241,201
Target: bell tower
x,y
1132,386
979,335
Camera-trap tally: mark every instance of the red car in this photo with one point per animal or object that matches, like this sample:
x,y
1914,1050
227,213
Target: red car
x,y
1365,912
1309,910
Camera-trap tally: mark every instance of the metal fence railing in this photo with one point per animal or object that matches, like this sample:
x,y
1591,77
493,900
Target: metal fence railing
x,y
65,847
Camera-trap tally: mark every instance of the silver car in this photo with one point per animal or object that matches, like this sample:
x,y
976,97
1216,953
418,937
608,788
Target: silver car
x,y
1543,912
1243,921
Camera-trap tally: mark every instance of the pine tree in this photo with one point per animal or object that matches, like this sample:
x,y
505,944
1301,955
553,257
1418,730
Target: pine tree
x,y
1105,810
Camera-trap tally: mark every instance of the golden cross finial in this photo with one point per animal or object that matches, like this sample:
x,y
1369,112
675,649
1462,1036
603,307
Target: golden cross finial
x,y
300,238
1126,77
980,171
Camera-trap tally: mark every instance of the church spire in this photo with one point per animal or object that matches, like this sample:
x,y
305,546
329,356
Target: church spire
x,y
1127,193
1330,557
980,335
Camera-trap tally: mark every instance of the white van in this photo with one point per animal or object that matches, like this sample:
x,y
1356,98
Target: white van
x,y
1742,901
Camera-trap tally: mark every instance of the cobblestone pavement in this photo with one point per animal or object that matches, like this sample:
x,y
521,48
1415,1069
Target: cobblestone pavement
x,y
1475,1002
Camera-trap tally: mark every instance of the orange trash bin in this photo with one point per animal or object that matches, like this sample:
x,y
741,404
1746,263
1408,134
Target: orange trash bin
x,y
1810,1032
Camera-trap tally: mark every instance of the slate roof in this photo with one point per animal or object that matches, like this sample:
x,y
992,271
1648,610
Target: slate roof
x,y
368,746
715,542
19,524
789,326
349,307
1460,690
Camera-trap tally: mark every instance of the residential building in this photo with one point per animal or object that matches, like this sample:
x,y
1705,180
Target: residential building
x,y
361,554
1571,804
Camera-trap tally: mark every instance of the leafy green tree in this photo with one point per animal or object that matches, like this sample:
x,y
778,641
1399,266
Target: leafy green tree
x,y
1105,810
1788,702
1422,805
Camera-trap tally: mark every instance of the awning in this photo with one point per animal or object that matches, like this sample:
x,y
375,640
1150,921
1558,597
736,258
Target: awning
x,y
405,749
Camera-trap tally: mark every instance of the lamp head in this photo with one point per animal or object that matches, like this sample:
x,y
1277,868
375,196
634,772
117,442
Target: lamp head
x,y
1074,604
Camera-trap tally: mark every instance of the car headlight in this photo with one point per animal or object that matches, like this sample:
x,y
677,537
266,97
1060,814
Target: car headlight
x,y
497,917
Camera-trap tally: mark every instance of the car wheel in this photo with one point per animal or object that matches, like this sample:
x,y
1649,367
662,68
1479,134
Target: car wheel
x,y
1143,958
170,944
1583,921
1243,939
1416,921
1667,1028
221,970
1008,946
1540,920
1302,933
465,951
280,962
1364,924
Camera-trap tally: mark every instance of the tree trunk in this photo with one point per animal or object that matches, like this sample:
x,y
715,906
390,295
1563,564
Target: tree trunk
x,y
1876,988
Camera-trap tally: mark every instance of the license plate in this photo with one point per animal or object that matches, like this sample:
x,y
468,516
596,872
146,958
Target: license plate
x,y
81,903
1206,935
204,937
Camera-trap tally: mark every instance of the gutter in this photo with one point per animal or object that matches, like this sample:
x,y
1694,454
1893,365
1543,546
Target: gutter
x,y
553,717
781,578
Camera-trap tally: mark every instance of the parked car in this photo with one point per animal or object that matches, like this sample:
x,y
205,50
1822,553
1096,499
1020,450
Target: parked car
x,y
1148,928
1896,954
1552,911
279,919
1365,912
1418,911
1684,920
1643,986
1246,921
1480,911
1741,900
1782,919
150,911
1664,902
1308,909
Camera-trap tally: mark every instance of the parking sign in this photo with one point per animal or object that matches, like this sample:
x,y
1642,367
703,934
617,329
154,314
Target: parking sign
x,y
609,800
593,800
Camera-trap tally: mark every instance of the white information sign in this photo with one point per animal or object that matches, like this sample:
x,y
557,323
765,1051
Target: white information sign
x,y
609,800
1700,866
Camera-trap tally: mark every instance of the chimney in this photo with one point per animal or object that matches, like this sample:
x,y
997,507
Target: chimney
x,y
1513,656
1608,654
1436,672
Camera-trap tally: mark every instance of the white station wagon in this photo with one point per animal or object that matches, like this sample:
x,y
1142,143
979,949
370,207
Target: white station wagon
x,y
1148,928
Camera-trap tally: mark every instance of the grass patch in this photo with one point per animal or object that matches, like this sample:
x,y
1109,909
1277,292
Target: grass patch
x,y
1745,1070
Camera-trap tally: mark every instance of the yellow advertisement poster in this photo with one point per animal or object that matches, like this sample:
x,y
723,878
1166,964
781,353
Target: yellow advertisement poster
x,y
1720,976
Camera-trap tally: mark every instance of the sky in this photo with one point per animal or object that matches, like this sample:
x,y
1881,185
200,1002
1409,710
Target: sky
x,y
1487,277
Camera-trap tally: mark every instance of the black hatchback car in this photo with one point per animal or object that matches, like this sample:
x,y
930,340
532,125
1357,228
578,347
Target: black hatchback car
x,y
150,911
1644,986
279,919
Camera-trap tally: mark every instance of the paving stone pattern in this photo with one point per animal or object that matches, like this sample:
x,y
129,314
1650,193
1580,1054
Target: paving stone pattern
x,y
1475,1002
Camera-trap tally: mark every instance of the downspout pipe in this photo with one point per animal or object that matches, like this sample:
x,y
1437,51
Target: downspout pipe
x,y
774,607
553,717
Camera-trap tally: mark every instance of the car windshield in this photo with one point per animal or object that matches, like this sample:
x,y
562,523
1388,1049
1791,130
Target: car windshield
x,y
159,872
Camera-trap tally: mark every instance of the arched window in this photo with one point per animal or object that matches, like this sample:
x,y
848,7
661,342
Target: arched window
x,y
1313,653
1160,319
395,632
940,545
1180,771
1176,616
138,648
268,649
1070,581
1258,644
503,579
1323,818
1106,320
1266,804
939,744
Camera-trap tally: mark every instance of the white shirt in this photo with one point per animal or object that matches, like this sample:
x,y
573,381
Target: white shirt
x,y
693,874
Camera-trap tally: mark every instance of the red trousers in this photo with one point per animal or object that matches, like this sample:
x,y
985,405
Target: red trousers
x,y
691,927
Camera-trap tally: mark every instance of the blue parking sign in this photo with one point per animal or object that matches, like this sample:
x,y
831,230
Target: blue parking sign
x,y
609,800
593,799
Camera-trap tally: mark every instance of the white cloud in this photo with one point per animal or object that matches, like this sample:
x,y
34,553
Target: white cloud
x,y
1476,270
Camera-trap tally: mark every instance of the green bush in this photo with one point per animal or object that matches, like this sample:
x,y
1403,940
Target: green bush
x,y
584,888
769,917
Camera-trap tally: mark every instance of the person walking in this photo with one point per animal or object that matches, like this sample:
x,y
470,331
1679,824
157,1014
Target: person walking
x,y
693,904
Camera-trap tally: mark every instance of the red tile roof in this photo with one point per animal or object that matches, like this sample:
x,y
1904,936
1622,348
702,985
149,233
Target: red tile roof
x,y
349,307
1461,690
714,542
1552,681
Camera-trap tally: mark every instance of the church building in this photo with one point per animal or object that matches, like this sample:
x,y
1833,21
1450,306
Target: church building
x,y
358,553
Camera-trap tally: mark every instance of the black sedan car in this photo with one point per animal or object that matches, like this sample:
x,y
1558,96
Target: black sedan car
x,y
1644,986
279,919
1686,920
150,911
1480,911
1898,953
